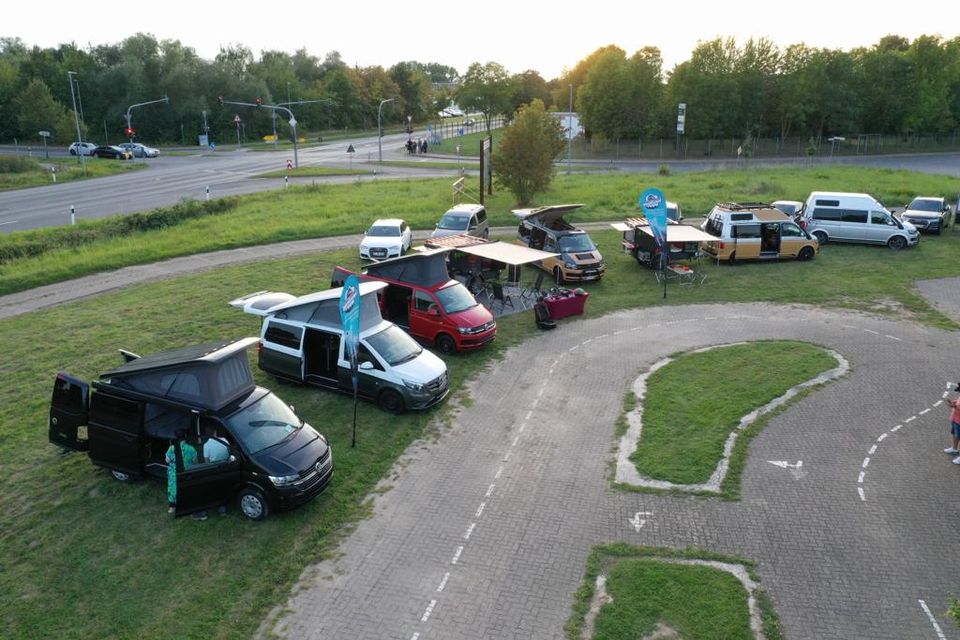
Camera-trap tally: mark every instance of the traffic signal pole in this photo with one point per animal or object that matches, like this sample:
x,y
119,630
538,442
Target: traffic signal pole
x,y
129,131
275,107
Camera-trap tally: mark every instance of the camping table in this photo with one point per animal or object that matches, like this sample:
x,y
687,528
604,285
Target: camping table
x,y
563,306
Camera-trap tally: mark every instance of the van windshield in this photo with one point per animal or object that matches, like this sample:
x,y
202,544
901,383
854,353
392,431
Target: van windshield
x,y
454,221
456,298
575,243
394,345
266,422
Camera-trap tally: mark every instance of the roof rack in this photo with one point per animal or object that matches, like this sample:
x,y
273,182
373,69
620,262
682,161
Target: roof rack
x,y
740,206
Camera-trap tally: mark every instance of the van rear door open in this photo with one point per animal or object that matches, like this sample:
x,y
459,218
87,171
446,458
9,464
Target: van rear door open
x,y
69,410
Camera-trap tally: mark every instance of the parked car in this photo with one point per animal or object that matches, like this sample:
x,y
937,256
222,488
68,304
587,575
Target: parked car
x,y
387,238
469,219
140,150
755,231
110,151
302,340
81,148
577,259
928,214
270,459
674,212
427,303
683,242
790,207
855,217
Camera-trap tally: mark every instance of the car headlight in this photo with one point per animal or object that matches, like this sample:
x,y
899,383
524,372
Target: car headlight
x,y
282,481
569,263
416,386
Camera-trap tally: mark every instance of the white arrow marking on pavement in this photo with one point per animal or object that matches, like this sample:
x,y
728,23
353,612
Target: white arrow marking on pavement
x,y
637,521
783,464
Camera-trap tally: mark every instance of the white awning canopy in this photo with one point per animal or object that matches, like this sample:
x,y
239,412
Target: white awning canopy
x,y
675,232
507,253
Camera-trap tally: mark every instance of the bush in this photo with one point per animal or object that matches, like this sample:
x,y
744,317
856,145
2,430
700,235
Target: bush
x,y
663,170
18,164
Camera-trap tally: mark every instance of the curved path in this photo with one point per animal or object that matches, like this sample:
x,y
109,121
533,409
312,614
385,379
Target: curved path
x,y
484,531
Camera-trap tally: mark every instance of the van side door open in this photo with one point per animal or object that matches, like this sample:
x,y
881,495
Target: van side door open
x,y
321,352
206,484
115,432
69,410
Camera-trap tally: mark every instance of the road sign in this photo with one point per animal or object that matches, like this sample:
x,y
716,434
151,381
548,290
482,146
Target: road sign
x,y
292,121
43,134
236,118
350,149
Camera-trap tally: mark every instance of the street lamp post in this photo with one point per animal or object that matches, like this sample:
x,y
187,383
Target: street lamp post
x,y
380,130
76,119
570,128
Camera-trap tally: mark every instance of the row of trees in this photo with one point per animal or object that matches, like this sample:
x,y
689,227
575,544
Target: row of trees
x,y
757,89
760,90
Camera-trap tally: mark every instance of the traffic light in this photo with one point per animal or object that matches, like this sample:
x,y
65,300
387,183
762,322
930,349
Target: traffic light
x,y
129,132
259,102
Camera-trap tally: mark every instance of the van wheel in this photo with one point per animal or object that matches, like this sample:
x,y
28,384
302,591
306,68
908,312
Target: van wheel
x,y
805,254
253,504
558,275
897,242
446,344
732,259
120,476
391,402
821,237
486,233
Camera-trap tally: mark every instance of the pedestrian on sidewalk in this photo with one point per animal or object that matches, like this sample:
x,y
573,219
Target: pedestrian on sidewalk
x,y
954,448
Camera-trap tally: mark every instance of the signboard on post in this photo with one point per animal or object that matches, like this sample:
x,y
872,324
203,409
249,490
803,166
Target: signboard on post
x,y
350,320
654,206
681,117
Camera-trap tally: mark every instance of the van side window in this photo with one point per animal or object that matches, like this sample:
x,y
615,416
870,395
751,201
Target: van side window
x,y
828,203
746,231
881,217
364,355
790,230
283,335
826,214
550,245
482,216
422,301
854,215
714,226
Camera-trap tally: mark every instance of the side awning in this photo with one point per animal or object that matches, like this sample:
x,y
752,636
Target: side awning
x,y
675,232
507,253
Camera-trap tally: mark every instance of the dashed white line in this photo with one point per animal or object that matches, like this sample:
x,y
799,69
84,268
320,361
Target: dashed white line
x,y
866,462
897,428
490,490
480,510
873,450
892,337
860,479
443,583
933,621
938,403
506,456
456,555
426,614
925,411
910,419
860,491
499,473
415,636
515,441
876,333
528,416
883,436
469,532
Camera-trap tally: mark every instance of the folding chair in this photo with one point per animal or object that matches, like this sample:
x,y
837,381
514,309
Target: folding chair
x,y
536,290
498,294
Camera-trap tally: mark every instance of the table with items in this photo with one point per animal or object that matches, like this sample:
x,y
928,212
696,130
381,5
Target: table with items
x,y
565,303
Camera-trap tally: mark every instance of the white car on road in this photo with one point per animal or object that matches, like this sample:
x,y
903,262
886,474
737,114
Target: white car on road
x,y
387,238
81,148
140,150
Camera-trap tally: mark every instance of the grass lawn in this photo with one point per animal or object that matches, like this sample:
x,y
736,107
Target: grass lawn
x,y
647,589
20,172
684,433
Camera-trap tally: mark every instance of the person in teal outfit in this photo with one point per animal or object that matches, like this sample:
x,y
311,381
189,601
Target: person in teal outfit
x,y
189,455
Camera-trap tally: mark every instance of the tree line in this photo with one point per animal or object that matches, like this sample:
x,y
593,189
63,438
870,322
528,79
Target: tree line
x,y
756,89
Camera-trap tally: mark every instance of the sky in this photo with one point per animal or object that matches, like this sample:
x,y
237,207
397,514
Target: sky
x,y
520,35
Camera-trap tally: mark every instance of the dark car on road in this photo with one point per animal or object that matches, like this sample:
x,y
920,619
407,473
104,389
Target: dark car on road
x,y
110,151
251,447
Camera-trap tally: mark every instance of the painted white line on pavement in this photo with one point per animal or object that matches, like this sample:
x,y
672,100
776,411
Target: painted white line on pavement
x,y
897,428
873,450
886,335
469,532
848,326
415,636
515,441
443,583
876,333
506,456
499,473
456,555
948,385
490,490
938,403
9,222
883,436
527,417
910,419
860,479
480,510
426,614
925,411
866,462
933,621
860,491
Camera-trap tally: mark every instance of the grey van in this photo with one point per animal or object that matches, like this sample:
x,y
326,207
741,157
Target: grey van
x,y
468,219
855,217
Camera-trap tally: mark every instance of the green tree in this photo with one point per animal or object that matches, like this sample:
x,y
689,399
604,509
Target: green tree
x,y
523,161
38,111
527,87
486,89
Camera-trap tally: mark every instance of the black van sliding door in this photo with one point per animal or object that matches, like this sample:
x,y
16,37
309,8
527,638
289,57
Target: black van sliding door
x,y
115,433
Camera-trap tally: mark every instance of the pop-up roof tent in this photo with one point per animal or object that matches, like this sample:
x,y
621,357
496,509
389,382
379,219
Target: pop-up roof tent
x,y
320,308
425,268
550,216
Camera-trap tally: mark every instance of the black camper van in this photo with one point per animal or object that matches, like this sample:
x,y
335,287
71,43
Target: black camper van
x,y
127,420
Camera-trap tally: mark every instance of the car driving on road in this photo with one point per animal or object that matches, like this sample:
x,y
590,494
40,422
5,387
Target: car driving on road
x,y
81,148
110,151
140,150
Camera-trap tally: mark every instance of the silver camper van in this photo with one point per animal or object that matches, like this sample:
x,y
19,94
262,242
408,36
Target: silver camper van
x,y
302,340
855,217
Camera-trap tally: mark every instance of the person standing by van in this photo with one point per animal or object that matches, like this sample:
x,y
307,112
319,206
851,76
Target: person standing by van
x,y
955,428
189,455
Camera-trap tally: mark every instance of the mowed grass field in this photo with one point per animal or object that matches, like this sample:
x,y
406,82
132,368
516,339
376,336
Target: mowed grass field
x,y
82,556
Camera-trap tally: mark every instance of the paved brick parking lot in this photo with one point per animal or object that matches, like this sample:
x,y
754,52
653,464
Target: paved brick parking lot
x,y
484,533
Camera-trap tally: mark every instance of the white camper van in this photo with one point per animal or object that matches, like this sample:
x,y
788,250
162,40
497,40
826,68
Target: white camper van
x,y
855,217
301,340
